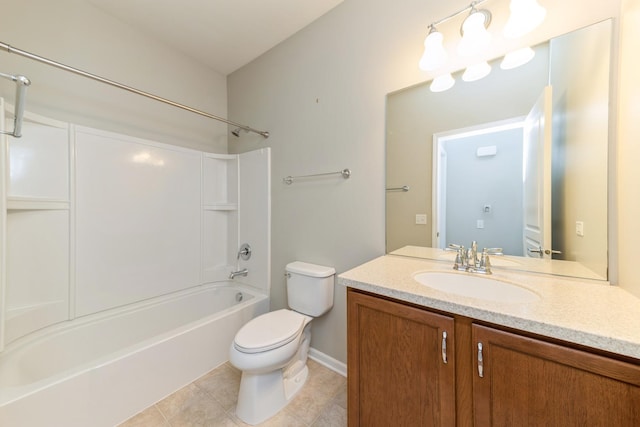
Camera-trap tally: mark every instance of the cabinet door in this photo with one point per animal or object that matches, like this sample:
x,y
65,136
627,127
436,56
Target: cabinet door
x,y
528,382
400,370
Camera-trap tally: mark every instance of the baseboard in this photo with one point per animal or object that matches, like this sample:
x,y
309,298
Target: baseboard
x,y
328,361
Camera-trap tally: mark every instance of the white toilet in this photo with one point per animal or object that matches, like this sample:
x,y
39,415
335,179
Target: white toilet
x,y
271,350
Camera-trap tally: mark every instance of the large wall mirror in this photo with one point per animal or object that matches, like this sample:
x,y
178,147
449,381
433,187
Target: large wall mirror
x,y
517,160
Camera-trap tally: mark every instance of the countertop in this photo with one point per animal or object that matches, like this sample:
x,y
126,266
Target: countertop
x,y
593,314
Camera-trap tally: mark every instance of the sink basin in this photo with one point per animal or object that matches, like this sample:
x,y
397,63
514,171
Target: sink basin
x,y
472,286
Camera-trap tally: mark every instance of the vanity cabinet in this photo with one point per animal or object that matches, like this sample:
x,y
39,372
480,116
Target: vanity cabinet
x,y
530,382
401,364
397,376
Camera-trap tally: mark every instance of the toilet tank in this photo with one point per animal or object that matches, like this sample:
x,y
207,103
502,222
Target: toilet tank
x,y
310,288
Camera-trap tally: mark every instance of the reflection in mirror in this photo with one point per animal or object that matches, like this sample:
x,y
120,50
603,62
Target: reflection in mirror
x,y
477,168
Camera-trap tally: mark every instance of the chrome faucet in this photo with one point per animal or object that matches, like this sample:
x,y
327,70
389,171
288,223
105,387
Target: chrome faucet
x,y
468,260
242,272
472,255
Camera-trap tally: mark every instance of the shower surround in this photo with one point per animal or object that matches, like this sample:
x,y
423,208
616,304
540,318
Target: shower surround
x,y
96,226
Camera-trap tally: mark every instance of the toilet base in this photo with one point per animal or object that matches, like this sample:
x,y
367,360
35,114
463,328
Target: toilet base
x,y
262,396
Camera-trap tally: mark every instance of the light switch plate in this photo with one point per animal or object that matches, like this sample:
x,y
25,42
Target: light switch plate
x,y
421,219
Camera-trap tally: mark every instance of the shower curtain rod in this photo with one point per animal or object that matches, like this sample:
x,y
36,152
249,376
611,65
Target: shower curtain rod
x,y
11,49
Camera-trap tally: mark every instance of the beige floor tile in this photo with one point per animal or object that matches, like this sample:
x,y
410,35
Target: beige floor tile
x,y
149,417
281,419
333,416
211,400
223,384
341,397
176,402
324,378
198,409
308,404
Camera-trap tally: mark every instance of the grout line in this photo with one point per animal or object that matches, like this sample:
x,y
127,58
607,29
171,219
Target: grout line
x,y
162,414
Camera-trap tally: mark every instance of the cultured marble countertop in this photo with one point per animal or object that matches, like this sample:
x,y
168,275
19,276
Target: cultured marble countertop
x,y
594,314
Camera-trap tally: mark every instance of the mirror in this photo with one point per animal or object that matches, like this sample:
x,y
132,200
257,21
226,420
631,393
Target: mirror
x,y
461,155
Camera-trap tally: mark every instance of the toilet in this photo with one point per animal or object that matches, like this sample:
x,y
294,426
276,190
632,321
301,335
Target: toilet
x,y
271,350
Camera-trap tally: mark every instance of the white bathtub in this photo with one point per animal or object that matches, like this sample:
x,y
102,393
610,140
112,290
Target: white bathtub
x,y
102,369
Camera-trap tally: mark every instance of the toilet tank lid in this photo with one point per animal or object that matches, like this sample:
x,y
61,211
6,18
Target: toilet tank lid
x,y
308,269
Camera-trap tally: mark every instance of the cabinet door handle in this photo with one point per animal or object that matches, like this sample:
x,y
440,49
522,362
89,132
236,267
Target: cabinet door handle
x,y
444,346
480,361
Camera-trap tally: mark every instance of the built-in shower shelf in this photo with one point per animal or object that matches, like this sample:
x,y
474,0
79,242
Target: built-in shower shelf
x,y
35,203
221,207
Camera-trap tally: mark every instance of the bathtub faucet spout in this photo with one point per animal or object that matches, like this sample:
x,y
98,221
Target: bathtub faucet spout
x,y
242,272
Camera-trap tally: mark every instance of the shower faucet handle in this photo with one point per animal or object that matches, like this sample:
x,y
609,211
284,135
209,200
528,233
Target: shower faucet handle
x,y
244,252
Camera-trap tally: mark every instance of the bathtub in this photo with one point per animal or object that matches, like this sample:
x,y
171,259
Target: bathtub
x,y
102,369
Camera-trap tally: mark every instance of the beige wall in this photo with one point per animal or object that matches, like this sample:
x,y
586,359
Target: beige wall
x,y
322,93
79,35
628,149
581,122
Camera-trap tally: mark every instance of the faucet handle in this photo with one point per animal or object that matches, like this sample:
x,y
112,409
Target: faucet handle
x,y
484,265
244,252
493,251
453,247
459,263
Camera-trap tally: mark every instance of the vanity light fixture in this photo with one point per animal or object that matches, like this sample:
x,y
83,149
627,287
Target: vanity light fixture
x,y
517,58
525,16
434,55
476,71
475,37
442,83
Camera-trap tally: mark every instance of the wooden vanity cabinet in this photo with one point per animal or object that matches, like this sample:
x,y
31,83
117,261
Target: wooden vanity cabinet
x,y
400,365
396,374
529,382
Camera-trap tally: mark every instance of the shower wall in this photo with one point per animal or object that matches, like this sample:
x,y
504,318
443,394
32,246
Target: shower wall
x,y
95,220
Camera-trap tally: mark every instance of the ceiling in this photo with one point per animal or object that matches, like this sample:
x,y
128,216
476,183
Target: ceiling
x,y
223,34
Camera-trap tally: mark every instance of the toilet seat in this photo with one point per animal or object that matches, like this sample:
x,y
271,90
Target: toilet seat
x,y
268,331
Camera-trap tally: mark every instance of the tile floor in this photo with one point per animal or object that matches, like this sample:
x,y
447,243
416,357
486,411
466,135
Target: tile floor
x,y
211,401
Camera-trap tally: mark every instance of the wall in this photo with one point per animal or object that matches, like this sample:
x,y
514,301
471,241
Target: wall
x,y
77,34
321,93
628,149
580,80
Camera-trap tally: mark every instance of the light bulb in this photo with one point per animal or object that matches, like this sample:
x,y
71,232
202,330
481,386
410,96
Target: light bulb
x,y
442,83
517,58
434,55
475,37
525,16
476,72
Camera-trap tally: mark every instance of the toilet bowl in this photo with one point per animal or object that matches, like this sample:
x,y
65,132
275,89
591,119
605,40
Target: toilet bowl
x,y
271,350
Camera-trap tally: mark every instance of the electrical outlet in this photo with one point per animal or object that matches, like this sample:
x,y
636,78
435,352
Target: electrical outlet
x,y
421,219
580,228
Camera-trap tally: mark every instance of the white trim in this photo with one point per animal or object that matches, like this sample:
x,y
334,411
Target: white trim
x,y
4,155
328,361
